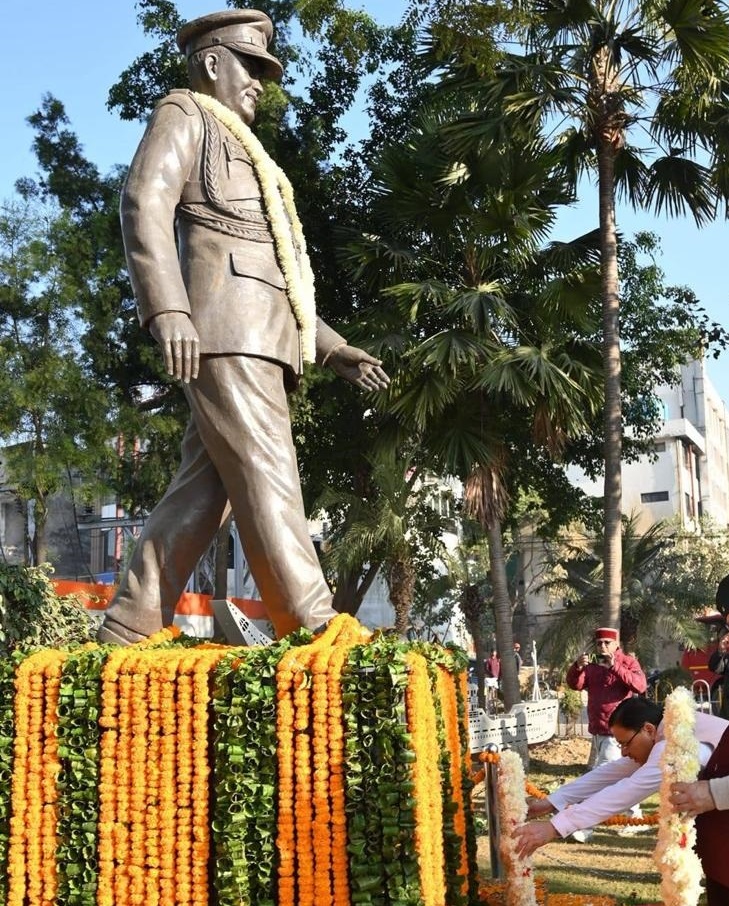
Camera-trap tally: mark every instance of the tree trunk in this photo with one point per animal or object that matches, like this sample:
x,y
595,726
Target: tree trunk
x,y
502,617
39,538
613,421
472,606
351,589
401,583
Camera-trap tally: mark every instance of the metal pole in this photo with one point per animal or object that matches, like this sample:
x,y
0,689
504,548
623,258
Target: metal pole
x,y
492,813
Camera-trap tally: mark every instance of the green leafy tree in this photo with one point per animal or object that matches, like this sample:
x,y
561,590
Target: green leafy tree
x,y
636,94
143,412
487,324
388,531
669,578
50,414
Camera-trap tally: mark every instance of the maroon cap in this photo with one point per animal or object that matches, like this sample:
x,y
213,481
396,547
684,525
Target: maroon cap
x,y
606,633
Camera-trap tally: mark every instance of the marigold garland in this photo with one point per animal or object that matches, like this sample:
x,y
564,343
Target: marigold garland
x,y
466,781
111,764
454,819
426,776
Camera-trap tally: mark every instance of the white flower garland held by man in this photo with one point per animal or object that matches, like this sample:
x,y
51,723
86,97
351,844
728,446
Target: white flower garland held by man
x,y
675,856
520,889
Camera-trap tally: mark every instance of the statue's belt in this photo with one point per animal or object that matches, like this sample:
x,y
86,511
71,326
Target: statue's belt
x,y
255,230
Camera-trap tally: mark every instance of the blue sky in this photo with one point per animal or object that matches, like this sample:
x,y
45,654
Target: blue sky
x,y
77,49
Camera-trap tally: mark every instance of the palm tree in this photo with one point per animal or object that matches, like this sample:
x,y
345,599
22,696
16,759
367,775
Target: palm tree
x,y
487,324
599,75
385,531
654,604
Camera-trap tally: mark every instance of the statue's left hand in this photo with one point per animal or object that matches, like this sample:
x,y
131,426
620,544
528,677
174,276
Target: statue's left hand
x,y
358,367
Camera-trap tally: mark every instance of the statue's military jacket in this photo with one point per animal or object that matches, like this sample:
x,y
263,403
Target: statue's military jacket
x,y
197,239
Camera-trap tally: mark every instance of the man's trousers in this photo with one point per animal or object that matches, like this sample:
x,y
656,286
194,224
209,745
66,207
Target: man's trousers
x,y
237,452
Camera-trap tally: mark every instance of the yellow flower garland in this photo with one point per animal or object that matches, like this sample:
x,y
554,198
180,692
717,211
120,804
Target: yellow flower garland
x,y
167,671
153,843
31,876
288,235
422,727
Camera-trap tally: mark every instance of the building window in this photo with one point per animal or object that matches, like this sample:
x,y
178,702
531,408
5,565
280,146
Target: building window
x,y
654,497
659,446
689,506
686,455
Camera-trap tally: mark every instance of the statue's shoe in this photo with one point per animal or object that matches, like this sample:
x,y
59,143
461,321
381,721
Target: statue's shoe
x,y
112,632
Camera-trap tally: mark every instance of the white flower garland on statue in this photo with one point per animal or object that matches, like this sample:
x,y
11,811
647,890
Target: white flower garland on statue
x,y
288,235
674,855
520,889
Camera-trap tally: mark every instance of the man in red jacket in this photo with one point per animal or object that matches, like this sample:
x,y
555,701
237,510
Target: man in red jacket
x,y
608,677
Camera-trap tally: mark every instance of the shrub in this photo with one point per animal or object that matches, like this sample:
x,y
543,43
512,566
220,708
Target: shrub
x,y
31,613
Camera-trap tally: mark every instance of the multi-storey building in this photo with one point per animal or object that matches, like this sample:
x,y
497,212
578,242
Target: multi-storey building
x,y
687,475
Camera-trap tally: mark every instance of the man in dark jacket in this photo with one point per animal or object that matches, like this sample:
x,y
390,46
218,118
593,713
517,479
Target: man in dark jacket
x,y
608,677
719,663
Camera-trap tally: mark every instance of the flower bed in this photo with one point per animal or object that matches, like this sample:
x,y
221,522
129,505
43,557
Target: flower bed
x,y
321,770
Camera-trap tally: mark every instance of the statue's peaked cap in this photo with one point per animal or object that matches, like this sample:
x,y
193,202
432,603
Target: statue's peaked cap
x,y
245,31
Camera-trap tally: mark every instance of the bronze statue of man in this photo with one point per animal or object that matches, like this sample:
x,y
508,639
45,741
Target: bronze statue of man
x,y
219,269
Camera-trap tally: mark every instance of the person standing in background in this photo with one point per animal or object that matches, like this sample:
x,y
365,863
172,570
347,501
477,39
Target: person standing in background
x,y
719,663
493,665
608,680
517,657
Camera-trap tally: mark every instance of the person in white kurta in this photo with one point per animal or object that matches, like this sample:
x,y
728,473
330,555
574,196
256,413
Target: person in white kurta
x,y
615,786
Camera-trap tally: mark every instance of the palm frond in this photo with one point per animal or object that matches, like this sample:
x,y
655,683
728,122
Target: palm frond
x,y
631,175
676,185
563,257
700,32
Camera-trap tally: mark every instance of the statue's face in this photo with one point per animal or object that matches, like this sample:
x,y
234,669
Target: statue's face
x,y
236,82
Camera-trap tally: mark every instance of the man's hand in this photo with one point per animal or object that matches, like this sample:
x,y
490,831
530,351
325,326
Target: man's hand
x,y
358,367
536,808
180,344
692,798
529,837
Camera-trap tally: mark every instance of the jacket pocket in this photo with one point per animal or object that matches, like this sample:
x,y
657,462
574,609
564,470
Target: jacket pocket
x,y
258,262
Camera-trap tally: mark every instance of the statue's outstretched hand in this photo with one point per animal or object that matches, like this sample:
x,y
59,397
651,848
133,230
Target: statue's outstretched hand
x,y
180,344
358,367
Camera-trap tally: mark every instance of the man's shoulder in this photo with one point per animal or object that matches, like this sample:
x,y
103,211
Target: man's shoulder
x,y
181,98
626,658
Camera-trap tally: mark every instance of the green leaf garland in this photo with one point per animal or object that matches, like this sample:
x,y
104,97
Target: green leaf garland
x,y
379,784
79,707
